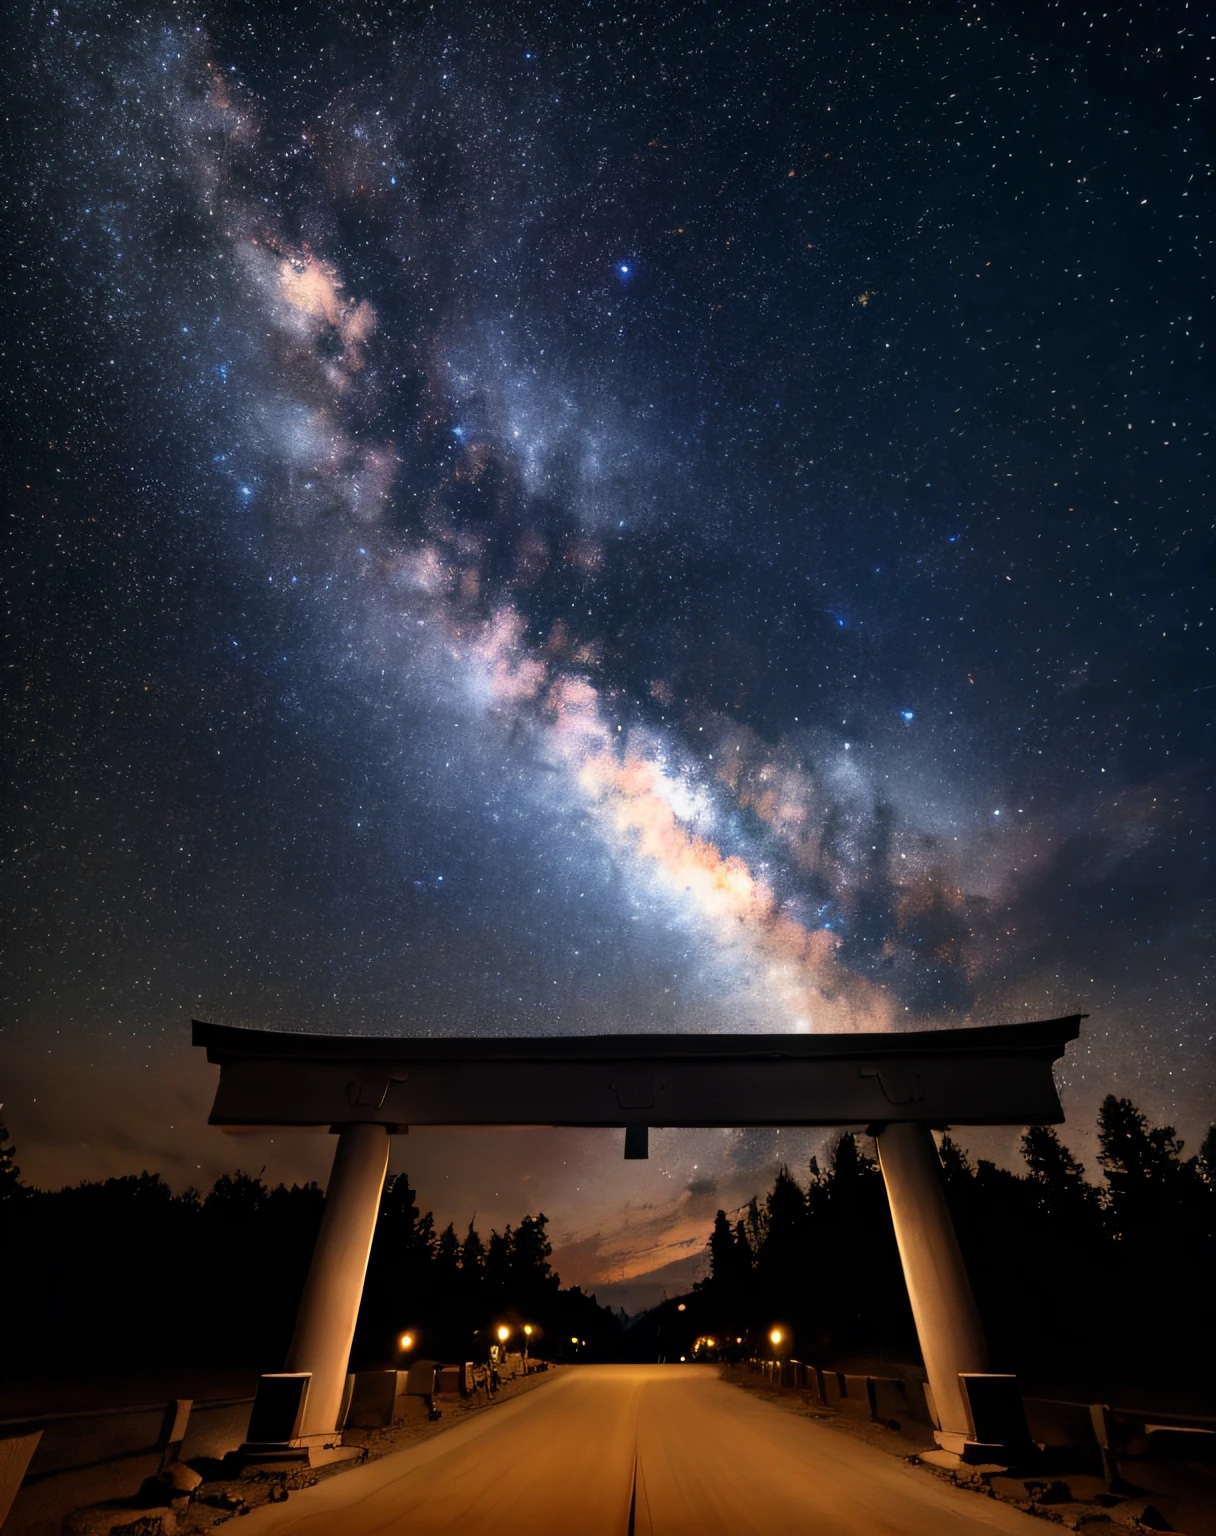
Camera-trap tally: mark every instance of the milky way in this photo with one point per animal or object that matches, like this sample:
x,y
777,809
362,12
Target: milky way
x,y
529,521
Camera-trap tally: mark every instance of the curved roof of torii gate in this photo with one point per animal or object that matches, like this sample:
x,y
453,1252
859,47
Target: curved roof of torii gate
x,y
999,1075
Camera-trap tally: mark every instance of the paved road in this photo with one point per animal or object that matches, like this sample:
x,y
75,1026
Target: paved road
x,y
692,1454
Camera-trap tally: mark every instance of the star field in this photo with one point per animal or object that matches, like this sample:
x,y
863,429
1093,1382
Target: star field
x,y
596,517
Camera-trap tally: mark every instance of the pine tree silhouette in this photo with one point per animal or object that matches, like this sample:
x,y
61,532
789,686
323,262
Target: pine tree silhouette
x,y
11,1187
1143,1168
1058,1180
1207,1156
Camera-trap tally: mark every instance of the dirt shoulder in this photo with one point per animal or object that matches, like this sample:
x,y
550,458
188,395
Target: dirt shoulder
x,y
1075,1501
225,1493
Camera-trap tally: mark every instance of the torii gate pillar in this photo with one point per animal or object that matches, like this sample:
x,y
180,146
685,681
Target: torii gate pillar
x,y
947,1321
329,1307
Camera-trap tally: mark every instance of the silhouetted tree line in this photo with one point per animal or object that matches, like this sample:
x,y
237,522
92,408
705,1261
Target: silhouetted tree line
x,y
452,1292
125,1272
1066,1274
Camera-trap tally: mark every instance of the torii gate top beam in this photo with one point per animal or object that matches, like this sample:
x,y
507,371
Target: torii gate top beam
x,y
999,1075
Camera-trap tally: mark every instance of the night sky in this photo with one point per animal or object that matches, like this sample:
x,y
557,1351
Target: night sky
x,y
534,519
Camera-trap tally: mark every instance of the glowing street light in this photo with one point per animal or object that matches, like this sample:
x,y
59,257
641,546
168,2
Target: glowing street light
x,y
406,1341
775,1338
504,1333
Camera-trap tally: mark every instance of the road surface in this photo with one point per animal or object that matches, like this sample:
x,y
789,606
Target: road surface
x,y
656,1450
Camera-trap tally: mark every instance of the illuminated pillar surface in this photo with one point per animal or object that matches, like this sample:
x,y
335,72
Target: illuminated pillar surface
x,y
943,1307
329,1308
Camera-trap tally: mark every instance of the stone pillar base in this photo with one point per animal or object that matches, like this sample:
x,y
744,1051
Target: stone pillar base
x,y
304,1450
957,1451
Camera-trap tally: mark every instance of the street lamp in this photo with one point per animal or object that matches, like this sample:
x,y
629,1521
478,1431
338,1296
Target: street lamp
x,y
497,1351
405,1342
528,1330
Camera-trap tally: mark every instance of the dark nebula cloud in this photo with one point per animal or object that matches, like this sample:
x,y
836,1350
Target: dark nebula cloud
x,y
544,519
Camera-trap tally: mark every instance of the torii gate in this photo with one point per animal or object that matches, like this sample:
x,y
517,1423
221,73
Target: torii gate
x,y
900,1085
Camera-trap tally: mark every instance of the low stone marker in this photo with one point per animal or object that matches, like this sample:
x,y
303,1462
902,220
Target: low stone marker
x,y
995,1413
890,1399
857,1389
421,1382
420,1379
374,1399
278,1409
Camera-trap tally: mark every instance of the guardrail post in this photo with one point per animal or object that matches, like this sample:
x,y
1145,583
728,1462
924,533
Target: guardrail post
x,y
173,1430
1101,1425
16,1453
